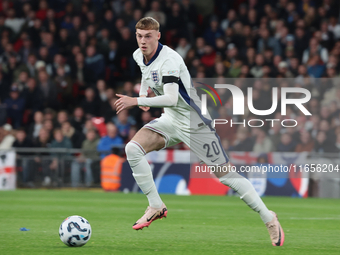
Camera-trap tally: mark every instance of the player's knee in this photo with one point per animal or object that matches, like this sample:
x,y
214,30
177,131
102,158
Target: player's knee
x,y
223,171
134,151
230,179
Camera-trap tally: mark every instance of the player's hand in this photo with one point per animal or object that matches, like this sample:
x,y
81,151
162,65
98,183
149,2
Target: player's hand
x,y
144,108
124,102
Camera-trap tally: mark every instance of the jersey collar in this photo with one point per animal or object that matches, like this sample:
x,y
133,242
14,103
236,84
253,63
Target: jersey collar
x,y
159,48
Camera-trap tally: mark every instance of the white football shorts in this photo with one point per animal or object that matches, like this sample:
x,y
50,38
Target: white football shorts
x,y
203,141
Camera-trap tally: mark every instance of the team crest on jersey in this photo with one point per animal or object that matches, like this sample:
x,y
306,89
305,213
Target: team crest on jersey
x,y
155,76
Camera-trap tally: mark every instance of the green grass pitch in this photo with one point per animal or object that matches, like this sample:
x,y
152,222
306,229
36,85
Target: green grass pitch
x,y
195,224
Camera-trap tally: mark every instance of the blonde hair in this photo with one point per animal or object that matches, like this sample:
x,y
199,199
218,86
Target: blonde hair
x,y
147,23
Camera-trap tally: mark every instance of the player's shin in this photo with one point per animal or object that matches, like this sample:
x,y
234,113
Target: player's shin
x,y
142,173
247,193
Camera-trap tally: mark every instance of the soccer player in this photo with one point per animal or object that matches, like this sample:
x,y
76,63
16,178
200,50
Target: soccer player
x,y
164,71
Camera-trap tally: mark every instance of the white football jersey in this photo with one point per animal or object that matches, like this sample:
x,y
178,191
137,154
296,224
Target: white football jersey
x,y
167,66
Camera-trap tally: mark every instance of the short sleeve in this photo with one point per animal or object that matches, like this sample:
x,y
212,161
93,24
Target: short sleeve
x,y
143,88
170,71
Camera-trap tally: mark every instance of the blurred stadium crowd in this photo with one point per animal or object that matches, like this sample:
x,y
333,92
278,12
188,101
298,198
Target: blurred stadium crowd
x,y
62,62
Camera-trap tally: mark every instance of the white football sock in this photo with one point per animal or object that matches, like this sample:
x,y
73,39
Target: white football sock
x,y
142,173
247,193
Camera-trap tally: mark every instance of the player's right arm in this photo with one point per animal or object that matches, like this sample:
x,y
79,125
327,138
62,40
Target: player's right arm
x,y
143,92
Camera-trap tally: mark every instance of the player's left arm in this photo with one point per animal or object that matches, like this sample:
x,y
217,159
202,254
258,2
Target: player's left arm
x,y
169,70
169,99
170,78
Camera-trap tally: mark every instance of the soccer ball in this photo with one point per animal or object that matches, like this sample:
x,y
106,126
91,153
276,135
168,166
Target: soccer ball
x,y
75,231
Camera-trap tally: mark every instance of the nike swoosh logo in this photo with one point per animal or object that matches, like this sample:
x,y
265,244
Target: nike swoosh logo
x,y
279,242
214,160
151,217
